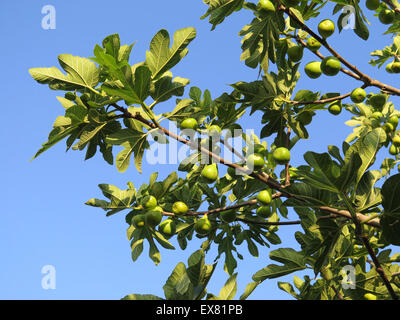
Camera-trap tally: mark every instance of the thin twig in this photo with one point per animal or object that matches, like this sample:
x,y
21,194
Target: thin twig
x,y
270,223
344,213
322,101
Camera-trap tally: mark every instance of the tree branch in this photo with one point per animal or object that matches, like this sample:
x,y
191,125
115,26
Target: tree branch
x,y
321,56
262,177
378,267
344,213
322,101
392,5
368,81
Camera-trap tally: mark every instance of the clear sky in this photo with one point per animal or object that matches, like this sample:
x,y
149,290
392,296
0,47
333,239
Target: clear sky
x,y
44,219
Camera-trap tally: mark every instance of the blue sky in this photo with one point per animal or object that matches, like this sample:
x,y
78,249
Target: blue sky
x,y
44,219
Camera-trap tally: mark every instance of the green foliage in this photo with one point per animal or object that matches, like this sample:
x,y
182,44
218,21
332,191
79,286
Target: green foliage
x,y
343,197
189,283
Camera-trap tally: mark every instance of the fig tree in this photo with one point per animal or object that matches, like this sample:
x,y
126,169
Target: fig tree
x,y
292,3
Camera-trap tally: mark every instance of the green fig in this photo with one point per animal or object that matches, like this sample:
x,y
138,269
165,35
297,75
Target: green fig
x,y
149,202
388,127
203,225
389,67
139,221
255,161
263,212
358,95
180,208
281,155
167,228
394,150
394,121
370,296
395,67
266,6
396,140
313,69
264,197
326,28
313,44
335,108
295,53
189,123
210,173
330,66
305,117
154,216
386,16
